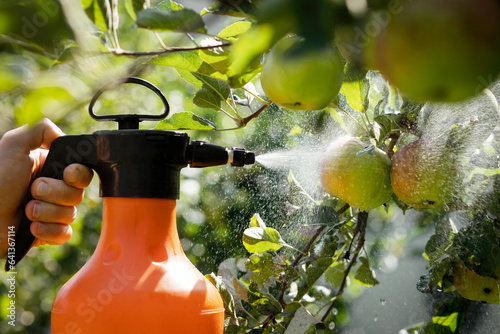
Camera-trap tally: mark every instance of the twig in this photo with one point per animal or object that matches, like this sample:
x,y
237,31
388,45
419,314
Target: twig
x,y
361,227
390,148
119,52
247,119
305,250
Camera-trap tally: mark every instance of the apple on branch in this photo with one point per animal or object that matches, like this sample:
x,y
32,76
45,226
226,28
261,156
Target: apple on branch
x,y
423,174
356,177
296,76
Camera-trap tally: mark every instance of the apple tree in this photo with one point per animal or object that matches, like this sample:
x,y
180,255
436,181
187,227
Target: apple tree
x,y
398,98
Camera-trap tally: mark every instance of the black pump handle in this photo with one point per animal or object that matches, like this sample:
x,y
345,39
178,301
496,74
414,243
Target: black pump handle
x,y
129,121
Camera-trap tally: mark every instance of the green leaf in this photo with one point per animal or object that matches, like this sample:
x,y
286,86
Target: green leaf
x,y
236,8
234,30
317,265
98,12
212,96
238,80
438,271
263,268
365,275
189,61
260,240
169,6
227,298
488,172
435,256
256,221
218,58
134,6
185,121
181,20
449,321
478,246
263,302
384,124
298,194
335,273
355,88
250,46
50,102
301,322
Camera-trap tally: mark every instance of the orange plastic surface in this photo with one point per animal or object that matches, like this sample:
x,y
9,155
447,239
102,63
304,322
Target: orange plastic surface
x,y
138,280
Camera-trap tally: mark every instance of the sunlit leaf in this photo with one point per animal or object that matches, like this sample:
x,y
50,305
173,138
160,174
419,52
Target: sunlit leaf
x,y
250,46
185,121
234,29
449,321
189,61
365,275
260,240
51,102
237,8
256,221
98,13
355,88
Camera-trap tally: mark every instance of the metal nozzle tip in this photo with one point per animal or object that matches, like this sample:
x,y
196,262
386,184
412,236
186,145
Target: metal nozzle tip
x,y
242,157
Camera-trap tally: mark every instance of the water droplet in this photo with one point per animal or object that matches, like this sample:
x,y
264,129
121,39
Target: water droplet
x,y
375,318
335,311
331,325
382,301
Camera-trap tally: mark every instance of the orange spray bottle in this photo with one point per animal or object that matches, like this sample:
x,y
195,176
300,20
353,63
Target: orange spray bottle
x,y
138,280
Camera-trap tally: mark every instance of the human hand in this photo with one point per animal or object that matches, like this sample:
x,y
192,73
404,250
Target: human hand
x,y
22,154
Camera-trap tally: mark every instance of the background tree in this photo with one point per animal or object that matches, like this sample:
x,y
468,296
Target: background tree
x,y
304,261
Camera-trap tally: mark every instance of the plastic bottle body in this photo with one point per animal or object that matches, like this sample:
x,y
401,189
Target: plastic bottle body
x,y
138,280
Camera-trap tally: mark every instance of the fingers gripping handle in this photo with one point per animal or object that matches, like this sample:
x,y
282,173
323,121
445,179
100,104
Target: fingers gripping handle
x,y
64,151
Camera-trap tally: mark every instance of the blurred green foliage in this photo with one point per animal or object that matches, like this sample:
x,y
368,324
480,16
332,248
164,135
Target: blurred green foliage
x,y
53,57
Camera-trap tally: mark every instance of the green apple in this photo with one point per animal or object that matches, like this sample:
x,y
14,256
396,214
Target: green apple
x,y
475,287
441,50
423,174
361,180
296,76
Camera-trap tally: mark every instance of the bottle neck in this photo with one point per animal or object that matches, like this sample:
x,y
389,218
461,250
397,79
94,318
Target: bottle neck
x,y
138,231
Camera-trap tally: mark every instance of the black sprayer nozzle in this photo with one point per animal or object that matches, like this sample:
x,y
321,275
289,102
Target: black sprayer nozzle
x,y
202,154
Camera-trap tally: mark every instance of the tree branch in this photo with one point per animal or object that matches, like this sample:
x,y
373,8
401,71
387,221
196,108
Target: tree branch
x,y
361,227
305,250
119,52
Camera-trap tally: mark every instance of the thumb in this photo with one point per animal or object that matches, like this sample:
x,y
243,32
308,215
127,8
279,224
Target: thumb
x,y
29,138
